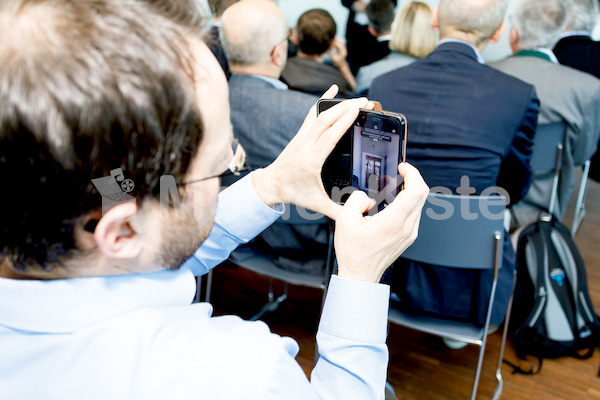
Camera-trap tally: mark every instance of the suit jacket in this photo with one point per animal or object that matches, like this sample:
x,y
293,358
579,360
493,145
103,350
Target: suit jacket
x,y
363,48
464,119
264,120
310,76
579,52
568,96
582,53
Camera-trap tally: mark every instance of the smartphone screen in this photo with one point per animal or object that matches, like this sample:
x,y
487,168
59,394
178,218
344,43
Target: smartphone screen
x,y
367,158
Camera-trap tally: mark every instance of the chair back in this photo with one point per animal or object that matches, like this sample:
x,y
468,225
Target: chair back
x,y
546,142
548,146
459,231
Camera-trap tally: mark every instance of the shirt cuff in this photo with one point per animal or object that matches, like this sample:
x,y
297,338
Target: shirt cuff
x,y
356,310
249,215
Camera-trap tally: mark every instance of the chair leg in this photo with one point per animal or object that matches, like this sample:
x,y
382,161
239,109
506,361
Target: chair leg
x,y
500,384
273,303
580,204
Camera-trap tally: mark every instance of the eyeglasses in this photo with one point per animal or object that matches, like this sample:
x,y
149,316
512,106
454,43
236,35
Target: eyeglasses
x,y
236,165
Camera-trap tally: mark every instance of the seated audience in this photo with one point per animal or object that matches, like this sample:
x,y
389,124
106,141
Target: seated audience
x,y
412,38
578,50
95,305
266,115
363,47
468,124
217,8
307,71
566,95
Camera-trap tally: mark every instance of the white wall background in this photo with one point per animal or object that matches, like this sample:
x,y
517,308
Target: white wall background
x,y
292,9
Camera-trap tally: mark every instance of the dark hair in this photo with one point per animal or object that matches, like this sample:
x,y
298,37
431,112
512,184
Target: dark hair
x,y
316,31
218,7
87,87
381,15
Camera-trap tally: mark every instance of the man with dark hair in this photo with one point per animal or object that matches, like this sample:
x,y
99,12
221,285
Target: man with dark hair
x,y
363,47
307,71
123,96
566,95
577,49
381,15
468,123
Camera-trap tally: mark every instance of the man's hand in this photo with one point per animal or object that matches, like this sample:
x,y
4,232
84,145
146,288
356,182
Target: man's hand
x,y
295,176
367,246
338,52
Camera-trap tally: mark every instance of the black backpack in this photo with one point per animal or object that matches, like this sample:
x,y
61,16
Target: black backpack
x,y
552,315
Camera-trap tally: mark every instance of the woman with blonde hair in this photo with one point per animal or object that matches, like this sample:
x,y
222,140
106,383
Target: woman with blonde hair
x,y
412,38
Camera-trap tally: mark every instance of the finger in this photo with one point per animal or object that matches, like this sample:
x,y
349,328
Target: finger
x,y
336,124
329,208
312,113
331,92
409,202
357,204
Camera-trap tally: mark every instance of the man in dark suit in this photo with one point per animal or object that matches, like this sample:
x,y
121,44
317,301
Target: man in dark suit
x,y
467,122
578,50
363,47
265,114
566,95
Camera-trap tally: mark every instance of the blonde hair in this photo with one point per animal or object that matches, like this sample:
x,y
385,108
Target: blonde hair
x,y
411,31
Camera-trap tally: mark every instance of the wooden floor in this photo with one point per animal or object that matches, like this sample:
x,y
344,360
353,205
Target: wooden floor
x,y
421,367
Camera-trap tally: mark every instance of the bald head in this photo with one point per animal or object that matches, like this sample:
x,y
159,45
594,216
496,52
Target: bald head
x,y
478,20
250,30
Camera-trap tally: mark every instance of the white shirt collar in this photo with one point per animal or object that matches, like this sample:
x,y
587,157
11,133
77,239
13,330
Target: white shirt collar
x,y
453,40
575,33
276,83
549,53
384,38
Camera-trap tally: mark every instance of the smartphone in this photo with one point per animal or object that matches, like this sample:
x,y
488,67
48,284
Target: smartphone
x,y
366,157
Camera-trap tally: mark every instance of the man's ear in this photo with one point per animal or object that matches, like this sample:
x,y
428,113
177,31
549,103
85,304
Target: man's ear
x,y
498,34
294,37
435,18
372,31
278,57
116,235
513,39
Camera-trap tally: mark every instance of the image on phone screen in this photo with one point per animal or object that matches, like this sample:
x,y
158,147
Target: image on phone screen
x,y
375,158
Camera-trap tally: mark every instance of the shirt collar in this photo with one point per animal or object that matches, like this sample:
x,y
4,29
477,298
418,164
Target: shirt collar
x,y
276,83
66,305
575,33
540,52
385,38
453,40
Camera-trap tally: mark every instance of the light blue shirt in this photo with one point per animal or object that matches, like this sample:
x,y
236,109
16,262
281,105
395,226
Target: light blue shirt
x,y
138,336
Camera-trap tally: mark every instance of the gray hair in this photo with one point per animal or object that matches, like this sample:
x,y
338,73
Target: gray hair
x,y
539,23
256,43
582,15
477,17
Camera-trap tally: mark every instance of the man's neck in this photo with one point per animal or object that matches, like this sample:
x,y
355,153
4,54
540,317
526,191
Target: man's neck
x,y
467,37
262,70
320,58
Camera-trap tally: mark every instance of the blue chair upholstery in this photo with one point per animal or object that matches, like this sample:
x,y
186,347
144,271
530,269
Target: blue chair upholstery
x,y
459,232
